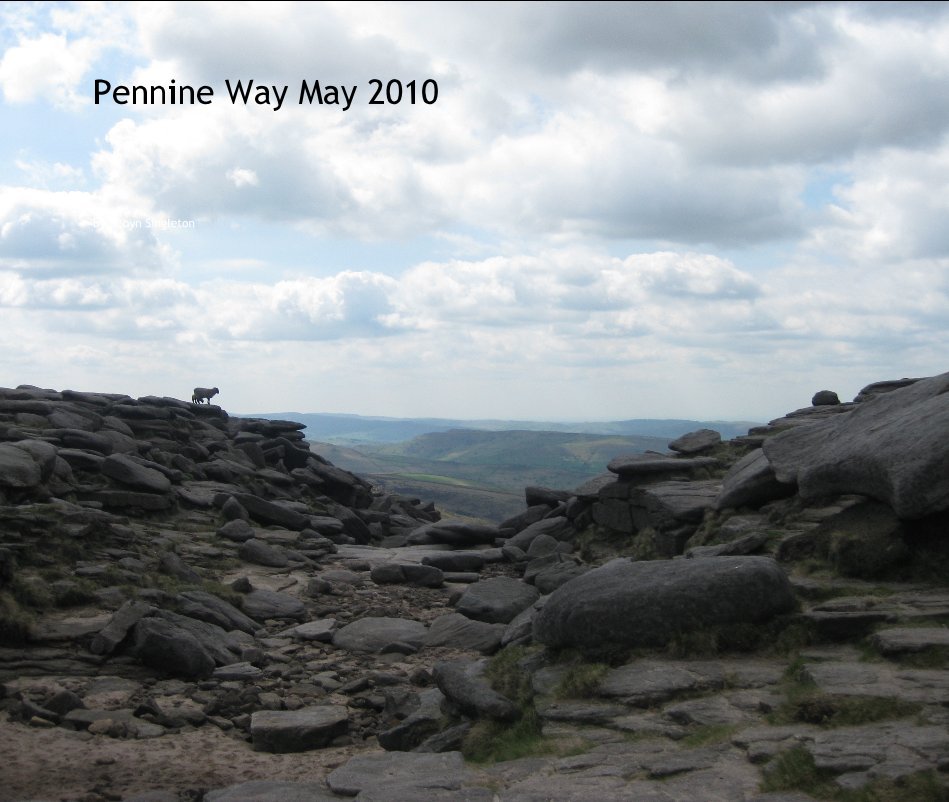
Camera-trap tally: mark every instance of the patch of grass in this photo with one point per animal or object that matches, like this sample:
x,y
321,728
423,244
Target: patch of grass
x,y
222,591
31,591
508,677
933,657
16,624
796,771
75,593
494,742
792,638
782,635
581,681
710,734
830,710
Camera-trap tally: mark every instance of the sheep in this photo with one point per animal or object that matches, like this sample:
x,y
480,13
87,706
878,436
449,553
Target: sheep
x,y
203,393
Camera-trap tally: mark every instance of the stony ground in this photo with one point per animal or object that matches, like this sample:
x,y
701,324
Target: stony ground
x,y
702,726
218,615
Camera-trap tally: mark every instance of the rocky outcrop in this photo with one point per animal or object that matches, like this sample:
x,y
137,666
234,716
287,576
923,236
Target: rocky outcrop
x,y
205,590
892,448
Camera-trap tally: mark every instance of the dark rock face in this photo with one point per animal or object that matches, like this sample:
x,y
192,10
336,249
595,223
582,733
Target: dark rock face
x,y
891,448
645,603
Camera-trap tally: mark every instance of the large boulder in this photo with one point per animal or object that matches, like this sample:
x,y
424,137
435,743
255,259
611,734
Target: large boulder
x,y
892,448
497,600
633,604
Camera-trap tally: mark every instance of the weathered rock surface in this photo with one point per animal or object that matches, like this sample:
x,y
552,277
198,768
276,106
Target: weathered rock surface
x,y
150,625
890,448
645,603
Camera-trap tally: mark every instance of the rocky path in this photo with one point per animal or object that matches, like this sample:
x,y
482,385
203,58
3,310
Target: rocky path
x,y
193,607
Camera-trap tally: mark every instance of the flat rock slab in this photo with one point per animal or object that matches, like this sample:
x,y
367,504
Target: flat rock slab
x,y
461,632
901,640
403,770
669,503
647,682
263,604
321,630
208,607
459,535
639,465
376,634
297,730
497,600
271,791
928,686
890,749
644,603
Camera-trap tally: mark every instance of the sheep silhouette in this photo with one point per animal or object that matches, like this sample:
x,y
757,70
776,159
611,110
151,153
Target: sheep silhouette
x,y
203,394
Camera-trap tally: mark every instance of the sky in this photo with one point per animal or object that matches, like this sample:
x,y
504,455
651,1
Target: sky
x,y
589,212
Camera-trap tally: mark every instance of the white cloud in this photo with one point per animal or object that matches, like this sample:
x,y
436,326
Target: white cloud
x,y
681,199
73,232
49,65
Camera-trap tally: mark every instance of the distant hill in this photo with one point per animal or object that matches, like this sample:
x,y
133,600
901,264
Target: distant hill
x,y
483,474
479,469
357,429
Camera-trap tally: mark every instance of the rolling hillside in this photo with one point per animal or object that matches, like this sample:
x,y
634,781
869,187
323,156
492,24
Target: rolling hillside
x,y
483,474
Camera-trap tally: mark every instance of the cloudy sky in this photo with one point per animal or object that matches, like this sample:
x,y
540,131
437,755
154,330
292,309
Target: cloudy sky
x,y
705,210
